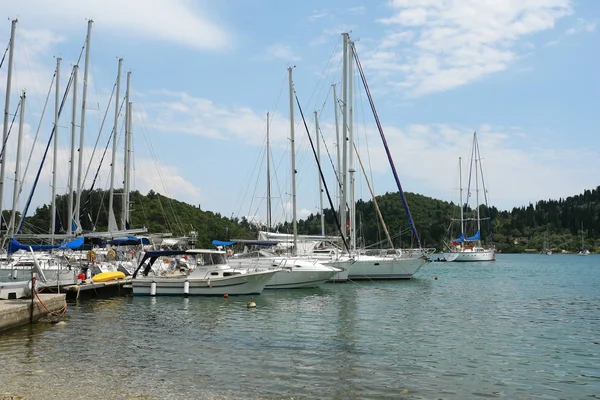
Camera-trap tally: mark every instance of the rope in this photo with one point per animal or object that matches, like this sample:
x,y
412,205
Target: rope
x,y
53,313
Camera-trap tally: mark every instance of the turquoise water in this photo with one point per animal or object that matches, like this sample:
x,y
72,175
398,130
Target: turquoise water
x,y
524,327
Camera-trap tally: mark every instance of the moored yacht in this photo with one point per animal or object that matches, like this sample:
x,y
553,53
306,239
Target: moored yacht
x,y
292,272
197,272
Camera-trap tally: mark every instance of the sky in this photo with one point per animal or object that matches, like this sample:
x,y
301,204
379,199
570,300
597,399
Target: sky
x,y
523,74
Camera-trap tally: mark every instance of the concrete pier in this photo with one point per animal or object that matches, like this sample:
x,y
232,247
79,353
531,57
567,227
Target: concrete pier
x,y
18,312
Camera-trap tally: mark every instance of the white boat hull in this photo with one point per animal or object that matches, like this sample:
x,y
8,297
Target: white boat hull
x,y
294,279
251,283
291,273
468,255
381,268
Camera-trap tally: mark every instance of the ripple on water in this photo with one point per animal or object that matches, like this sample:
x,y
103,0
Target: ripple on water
x,y
508,329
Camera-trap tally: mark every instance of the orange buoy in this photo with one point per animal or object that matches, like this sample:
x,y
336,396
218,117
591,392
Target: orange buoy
x,y
251,303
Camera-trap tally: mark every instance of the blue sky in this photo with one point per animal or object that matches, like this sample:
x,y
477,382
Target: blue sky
x,y
522,73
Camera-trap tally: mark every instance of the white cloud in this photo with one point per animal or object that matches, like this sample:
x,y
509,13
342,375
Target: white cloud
x,y
174,21
281,51
551,43
317,14
357,10
582,26
179,112
440,45
517,168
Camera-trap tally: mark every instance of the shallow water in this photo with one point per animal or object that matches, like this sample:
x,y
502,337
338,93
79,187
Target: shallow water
x,y
526,326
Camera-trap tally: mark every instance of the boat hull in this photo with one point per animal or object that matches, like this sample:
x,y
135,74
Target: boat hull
x,y
471,256
381,268
295,279
175,286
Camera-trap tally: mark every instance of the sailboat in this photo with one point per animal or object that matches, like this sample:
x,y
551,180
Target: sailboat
x,y
360,263
470,248
582,250
546,251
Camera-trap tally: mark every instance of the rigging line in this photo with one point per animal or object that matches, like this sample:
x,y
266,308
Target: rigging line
x,y
98,138
35,182
487,208
256,185
387,150
322,177
329,155
89,195
362,167
4,56
281,87
28,65
249,178
37,132
9,131
321,77
161,178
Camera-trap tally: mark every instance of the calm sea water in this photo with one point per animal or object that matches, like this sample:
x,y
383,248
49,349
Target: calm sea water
x,y
524,327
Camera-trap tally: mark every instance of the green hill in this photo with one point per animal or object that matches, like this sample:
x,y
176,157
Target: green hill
x,y
517,230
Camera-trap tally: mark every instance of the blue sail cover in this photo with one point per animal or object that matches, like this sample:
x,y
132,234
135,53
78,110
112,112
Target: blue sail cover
x,y
473,238
459,240
129,241
14,245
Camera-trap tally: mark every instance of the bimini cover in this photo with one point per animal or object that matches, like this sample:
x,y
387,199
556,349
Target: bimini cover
x,y
14,245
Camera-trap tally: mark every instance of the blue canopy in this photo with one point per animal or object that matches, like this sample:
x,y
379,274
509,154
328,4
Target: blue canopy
x,y
14,245
128,241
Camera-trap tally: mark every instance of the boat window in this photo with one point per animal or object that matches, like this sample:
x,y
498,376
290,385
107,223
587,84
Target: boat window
x,y
214,273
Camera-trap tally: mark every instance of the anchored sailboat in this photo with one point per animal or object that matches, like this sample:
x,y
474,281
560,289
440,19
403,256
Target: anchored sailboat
x,y
470,248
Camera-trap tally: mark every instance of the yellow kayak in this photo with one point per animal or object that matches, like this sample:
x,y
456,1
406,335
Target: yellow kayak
x,y
108,276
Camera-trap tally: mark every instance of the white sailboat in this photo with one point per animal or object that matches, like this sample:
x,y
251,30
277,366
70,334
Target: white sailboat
x,y
363,264
582,250
470,248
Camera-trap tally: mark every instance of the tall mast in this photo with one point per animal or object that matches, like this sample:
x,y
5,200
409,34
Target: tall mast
x,y
126,156
351,169
268,177
293,150
129,151
18,165
55,149
6,112
339,151
82,125
112,224
344,134
462,216
476,155
72,159
319,175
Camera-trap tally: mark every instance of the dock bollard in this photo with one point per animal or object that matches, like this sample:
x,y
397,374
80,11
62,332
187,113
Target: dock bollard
x,y
186,287
153,289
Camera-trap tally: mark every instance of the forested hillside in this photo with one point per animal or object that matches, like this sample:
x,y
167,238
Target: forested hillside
x,y
157,213
518,230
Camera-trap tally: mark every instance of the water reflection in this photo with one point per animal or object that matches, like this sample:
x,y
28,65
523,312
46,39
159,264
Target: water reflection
x,y
504,329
